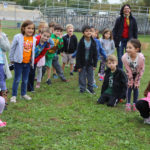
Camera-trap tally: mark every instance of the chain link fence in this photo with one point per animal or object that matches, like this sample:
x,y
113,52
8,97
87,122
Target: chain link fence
x,y
97,15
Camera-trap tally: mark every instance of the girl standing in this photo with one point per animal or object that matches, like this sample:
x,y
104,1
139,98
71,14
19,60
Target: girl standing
x,y
134,63
22,55
109,47
4,69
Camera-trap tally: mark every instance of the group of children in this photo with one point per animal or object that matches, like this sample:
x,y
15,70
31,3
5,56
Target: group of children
x,y
30,53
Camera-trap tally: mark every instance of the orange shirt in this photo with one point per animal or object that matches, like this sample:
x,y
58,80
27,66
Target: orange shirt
x,y
27,49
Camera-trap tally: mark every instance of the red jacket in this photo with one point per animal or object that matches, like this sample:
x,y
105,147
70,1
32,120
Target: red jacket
x,y
47,47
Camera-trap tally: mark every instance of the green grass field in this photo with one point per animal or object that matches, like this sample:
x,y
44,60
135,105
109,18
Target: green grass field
x,y
60,118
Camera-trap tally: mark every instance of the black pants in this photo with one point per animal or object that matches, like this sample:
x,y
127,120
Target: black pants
x,y
30,86
143,108
109,99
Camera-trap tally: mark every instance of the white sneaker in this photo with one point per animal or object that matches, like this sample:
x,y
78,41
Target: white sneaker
x,y
26,97
147,120
13,99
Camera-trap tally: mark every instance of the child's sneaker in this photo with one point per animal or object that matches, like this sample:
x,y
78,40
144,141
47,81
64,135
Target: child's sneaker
x,y
147,120
71,73
95,86
38,85
48,82
13,99
134,107
26,97
101,77
2,124
91,91
128,107
55,76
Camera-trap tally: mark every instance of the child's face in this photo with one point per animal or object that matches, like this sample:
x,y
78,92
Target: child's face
x,y
87,33
70,31
51,29
112,65
131,49
107,35
29,30
57,32
45,36
93,32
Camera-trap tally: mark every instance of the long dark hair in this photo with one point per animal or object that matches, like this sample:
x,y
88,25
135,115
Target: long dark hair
x,y
122,8
147,89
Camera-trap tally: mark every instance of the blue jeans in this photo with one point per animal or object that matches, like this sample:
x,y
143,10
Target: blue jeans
x,y
21,69
120,51
135,94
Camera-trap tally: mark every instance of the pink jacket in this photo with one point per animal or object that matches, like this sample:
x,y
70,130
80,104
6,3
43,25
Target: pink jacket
x,y
140,69
147,98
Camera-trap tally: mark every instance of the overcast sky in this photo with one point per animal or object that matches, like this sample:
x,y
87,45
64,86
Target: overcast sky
x,y
113,1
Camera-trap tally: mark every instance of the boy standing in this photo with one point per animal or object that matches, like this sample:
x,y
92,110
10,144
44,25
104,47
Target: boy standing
x,y
115,83
86,60
58,44
70,46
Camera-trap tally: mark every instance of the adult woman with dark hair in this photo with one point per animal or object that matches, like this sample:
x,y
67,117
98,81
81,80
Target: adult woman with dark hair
x,y
125,29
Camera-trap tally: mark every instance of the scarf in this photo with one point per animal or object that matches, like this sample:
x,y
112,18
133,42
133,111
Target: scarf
x,y
127,20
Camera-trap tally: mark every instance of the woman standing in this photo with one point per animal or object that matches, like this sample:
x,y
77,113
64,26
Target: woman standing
x,y
125,29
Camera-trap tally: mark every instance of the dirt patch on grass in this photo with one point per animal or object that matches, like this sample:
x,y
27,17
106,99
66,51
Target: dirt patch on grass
x,y
56,119
145,46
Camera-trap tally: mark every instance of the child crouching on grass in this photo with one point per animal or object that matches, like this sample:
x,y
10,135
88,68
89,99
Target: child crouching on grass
x,y
143,105
86,60
115,83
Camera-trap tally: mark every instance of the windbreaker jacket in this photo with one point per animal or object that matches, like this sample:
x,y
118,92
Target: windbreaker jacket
x,y
16,52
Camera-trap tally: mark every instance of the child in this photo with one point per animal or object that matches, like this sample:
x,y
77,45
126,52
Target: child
x,y
143,105
4,69
133,62
70,46
22,55
109,47
58,43
114,86
86,60
42,46
2,105
99,48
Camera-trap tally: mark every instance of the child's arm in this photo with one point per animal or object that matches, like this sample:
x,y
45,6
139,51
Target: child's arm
x,y
128,71
140,72
112,47
74,54
51,42
13,49
4,43
101,50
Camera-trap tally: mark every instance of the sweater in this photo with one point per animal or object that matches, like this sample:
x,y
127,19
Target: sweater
x,y
70,44
139,70
80,57
118,29
119,86
108,46
16,52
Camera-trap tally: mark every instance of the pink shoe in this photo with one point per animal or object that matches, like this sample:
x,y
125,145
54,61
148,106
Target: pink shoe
x,y
134,107
38,85
101,78
2,124
128,107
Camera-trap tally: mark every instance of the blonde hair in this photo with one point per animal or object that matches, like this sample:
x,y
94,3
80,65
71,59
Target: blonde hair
x,y
112,58
69,25
42,25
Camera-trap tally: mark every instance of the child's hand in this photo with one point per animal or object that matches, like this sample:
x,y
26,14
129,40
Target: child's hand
x,y
12,62
94,68
61,54
130,86
79,70
137,86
